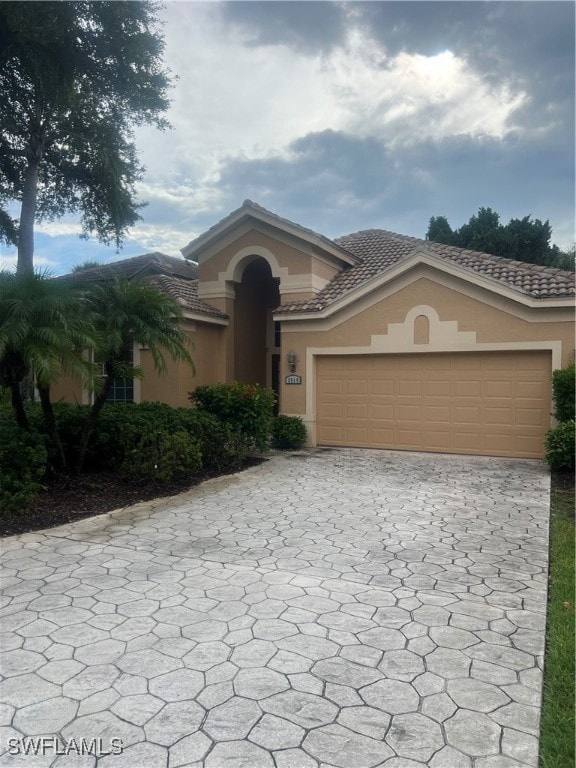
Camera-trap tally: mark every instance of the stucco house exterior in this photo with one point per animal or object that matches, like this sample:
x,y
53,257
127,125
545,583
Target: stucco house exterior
x,y
375,339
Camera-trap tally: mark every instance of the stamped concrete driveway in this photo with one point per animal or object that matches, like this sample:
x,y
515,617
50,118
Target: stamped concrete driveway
x,y
344,608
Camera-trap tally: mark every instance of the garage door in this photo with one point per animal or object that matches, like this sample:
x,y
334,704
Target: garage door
x,y
496,404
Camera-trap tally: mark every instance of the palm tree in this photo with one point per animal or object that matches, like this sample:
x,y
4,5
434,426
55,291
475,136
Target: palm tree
x,y
45,328
128,312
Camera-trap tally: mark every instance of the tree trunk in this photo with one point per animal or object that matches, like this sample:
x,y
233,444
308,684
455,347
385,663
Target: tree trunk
x,y
50,422
18,406
90,423
27,218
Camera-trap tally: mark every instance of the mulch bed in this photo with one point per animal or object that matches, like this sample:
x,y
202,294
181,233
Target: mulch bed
x,y
65,499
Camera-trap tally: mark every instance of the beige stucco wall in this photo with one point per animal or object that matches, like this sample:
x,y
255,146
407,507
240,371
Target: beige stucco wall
x,y
290,255
478,324
69,390
173,386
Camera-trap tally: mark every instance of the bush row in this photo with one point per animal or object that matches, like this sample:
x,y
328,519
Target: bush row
x,y
560,440
146,441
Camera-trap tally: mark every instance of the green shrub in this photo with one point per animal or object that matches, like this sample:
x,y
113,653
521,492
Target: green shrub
x,y
23,458
246,408
122,426
221,448
288,432
560,446
162,457
563,381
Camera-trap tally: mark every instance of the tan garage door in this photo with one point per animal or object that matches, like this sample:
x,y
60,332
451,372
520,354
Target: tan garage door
x,y
496,403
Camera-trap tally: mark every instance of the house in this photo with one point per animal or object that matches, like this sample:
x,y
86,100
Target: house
x,y
375,339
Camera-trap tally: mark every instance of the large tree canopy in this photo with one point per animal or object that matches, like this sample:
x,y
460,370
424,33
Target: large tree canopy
x,y
75,79
523,239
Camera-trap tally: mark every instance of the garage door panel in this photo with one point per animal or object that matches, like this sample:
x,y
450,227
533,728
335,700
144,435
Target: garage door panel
x,y
331,411
466,414
436,363
409,363
436,440
354,363
407,413
383,388
465,363
381,412
498,389
331,387
438,388
409,439
407,388
331,434
505,363
527,444
497,415
437,413
356,387
463,388
530,389
356,411
357,435
466,442
383,436
480,403
530,417
499,442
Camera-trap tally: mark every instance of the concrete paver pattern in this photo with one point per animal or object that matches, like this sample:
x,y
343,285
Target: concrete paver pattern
x,y
345,608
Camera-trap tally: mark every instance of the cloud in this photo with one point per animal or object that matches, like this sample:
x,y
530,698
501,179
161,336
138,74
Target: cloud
x,y
335,183
249,94
344,116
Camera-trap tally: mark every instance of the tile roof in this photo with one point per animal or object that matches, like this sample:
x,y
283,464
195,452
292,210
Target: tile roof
x,y
187,292
378,250
175,276
249,205
147,263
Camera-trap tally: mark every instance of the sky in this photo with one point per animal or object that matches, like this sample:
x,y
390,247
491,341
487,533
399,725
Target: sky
x,y
352,115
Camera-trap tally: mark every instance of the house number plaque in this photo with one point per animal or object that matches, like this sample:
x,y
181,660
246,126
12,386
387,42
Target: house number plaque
x,y
293,379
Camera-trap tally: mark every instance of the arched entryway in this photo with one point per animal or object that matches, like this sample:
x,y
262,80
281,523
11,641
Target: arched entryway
x,y
256,341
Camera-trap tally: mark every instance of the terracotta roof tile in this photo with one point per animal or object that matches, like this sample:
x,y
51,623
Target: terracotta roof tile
x,y
378,250
248,205
187,292
175,276
147,263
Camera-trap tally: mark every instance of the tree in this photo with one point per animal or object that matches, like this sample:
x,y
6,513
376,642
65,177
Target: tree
x,y
44,329
128,312
440,231
523,239
75,78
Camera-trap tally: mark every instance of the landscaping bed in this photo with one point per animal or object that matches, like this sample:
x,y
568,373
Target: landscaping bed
x,y
66,499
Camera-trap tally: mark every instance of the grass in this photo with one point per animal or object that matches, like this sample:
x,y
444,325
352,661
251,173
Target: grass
x,y
557,724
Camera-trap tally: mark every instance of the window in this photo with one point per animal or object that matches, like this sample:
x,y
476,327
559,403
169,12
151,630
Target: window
x,y
122,390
